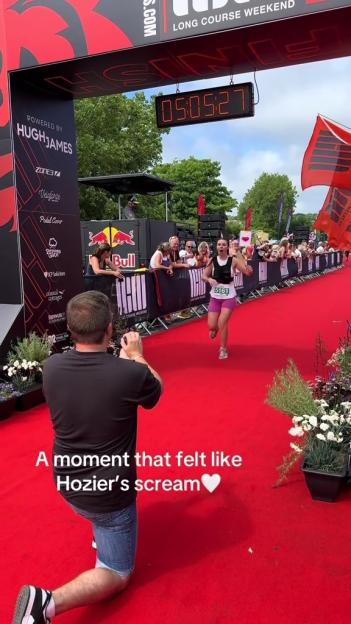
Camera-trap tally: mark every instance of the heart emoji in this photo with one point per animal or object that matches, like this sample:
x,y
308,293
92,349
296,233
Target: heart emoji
x,y
210,482
245,238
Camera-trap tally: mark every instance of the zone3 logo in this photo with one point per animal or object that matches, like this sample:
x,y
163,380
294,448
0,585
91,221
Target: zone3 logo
x,y
181,7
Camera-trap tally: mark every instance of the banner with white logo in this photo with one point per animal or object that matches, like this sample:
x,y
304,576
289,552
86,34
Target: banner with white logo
x,y
48,208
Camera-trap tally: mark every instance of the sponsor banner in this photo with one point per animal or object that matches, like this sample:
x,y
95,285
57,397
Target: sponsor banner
x,y
145,296
45,157
51,272
48,207
199,292
327,159
262,272
284,271
184,18
238,281
131,297
123,236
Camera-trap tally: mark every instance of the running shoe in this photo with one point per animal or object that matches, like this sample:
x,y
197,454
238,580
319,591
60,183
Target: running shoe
x,y
223,354
31,606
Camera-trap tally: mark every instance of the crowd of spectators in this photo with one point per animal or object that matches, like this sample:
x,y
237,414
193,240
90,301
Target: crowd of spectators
x,y
272,251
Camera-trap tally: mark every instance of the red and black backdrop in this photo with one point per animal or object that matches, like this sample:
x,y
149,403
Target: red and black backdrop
x,y
54,50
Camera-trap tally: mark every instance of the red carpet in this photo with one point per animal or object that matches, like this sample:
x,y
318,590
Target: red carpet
x,y
245,554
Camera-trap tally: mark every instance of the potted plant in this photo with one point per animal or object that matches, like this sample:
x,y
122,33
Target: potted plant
x,y
321,428
24,368
24,376
8,396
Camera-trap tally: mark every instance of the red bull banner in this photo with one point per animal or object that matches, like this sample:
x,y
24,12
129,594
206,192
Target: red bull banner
x,y
123,236
327,160
133,241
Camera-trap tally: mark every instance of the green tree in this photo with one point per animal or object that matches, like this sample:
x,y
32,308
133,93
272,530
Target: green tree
x,y
115,134
233,227
263,198
303,219
192,177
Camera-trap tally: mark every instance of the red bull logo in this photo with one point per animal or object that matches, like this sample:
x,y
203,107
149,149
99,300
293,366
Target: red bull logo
x,y
118,237
111,236
124,263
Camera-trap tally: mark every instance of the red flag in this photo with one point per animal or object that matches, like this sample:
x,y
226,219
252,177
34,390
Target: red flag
x,y
335,218
201,208
327,159
248,218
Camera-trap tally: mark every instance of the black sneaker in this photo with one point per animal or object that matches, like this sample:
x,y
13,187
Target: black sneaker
x,y
31,606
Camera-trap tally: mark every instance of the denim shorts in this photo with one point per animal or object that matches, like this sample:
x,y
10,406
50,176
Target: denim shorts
x,y
115,535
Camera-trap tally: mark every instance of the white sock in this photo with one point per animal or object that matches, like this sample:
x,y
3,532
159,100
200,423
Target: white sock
x,y
50,609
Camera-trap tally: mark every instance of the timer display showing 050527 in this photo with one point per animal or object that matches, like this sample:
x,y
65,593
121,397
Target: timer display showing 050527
x,y
191,107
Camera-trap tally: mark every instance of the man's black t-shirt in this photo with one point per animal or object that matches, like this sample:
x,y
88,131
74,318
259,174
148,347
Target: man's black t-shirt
x,y
93,399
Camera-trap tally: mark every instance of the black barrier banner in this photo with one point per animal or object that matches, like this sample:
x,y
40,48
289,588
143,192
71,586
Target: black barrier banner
x,y
146,296
132,297
199,291
171,292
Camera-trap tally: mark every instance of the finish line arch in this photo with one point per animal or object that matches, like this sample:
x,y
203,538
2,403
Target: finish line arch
x,y
52,51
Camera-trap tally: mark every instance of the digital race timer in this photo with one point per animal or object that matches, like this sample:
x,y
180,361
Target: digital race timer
x,y
193,107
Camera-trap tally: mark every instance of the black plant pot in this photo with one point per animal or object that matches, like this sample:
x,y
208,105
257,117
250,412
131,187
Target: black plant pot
x,y
324,486
30,398
7,407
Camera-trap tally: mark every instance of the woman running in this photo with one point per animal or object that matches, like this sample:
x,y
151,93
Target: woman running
x,y
220,275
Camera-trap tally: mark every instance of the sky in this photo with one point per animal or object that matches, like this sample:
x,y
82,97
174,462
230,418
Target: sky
x,y
275,139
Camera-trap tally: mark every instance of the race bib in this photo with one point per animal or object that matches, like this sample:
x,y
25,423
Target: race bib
x,y
221,290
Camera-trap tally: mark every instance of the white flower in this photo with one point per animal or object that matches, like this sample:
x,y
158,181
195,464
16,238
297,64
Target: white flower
x,y
331,436
16,363
296,432
297,419
24,378
5,367
324,426
295,447
313,421
320,436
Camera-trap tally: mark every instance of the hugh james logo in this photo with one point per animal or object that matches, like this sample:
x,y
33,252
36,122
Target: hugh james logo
x,y
52,242
50,196
48,172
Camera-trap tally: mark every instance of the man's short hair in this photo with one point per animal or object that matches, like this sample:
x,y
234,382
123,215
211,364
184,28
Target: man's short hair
x,y
88,316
